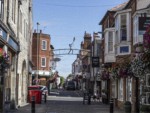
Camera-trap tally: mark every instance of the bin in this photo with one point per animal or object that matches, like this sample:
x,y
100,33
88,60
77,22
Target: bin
x,y
36,92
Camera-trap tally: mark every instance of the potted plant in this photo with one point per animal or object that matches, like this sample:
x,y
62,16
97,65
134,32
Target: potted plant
x,y
145,108
127,107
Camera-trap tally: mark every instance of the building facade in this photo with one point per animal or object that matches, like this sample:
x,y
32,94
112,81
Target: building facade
x,y
15,30
41,57
127,40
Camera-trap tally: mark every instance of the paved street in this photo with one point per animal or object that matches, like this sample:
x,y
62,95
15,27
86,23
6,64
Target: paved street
x,y
57,103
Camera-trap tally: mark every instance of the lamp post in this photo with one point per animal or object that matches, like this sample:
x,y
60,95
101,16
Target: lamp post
x,y
37,54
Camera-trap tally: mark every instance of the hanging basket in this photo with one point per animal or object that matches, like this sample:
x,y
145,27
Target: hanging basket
x,y
139,49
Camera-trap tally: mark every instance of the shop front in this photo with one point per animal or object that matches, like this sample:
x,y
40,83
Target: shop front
x,y
8,64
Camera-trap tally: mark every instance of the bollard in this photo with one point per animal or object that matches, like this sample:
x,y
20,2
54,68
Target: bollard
x,y
45,98
84,98
33,104
89,99
111,106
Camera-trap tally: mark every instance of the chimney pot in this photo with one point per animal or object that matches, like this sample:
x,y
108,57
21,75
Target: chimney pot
x,y
40,31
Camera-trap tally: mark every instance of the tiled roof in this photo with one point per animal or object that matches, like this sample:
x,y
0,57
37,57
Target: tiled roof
x,y
119,7
114,9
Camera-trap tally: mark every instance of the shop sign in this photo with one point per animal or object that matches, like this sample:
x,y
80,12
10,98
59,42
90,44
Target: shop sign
x,y
143,23
95,61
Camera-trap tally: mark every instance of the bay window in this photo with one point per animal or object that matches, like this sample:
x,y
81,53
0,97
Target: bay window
x,y
123,28
110,41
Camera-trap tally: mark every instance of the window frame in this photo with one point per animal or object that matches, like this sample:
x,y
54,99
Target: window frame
x,y
43,45
13,11
115,89
123,52
128,89
43,58
1,9
110,41
123,28
20,21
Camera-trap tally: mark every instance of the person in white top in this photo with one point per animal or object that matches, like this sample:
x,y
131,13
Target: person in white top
x,y
57,80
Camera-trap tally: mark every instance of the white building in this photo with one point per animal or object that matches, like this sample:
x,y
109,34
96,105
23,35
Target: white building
x,y
16,31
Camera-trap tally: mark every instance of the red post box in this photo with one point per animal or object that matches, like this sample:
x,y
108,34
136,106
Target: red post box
x,y
36,92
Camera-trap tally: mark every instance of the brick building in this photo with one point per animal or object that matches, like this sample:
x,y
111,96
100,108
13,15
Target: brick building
x,y
41,56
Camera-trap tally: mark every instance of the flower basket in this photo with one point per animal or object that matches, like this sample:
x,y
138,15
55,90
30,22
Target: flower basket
x,y
4,59
122,71
139,49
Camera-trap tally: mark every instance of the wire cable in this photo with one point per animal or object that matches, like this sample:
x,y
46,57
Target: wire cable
x,y
82,6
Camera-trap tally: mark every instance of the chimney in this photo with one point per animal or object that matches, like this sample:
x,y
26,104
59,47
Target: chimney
x,y
34,30
40,31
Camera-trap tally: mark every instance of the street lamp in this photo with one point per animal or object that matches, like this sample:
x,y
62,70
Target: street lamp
x,y
37,53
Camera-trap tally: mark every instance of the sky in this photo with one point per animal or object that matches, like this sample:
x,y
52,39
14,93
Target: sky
x,y
65,19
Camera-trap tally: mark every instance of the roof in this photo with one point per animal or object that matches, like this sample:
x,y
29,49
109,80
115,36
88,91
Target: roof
x,y
113,10
119,7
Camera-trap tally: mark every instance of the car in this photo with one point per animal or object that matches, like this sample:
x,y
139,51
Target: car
x,y
44,90
70,85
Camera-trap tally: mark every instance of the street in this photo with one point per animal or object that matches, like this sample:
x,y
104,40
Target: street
x,y
62,101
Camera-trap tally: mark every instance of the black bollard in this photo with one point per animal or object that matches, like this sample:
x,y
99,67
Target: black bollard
x,y
33,104
111,106
84,98
45,98
89,99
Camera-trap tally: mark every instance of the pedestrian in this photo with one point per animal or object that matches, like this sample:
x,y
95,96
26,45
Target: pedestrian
x,y
57,79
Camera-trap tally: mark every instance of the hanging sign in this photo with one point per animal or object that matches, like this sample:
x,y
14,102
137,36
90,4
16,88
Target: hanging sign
x,y
95,61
